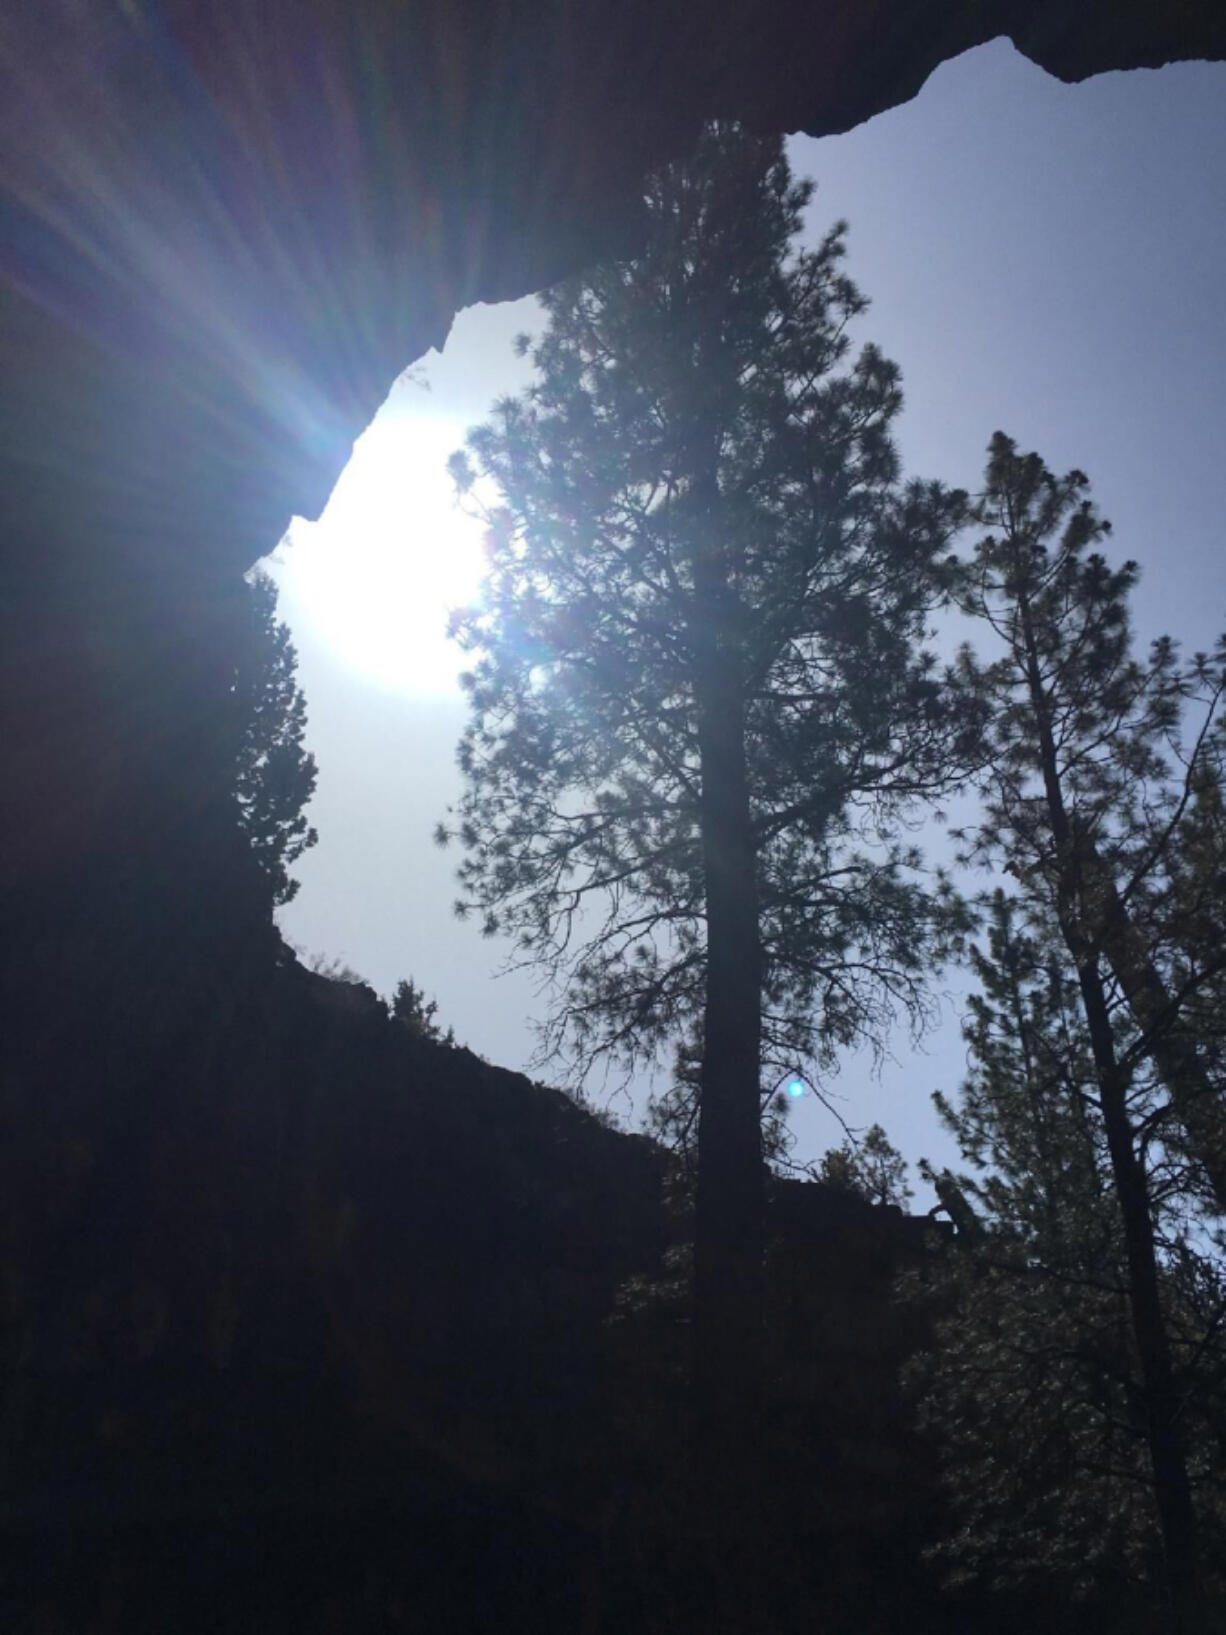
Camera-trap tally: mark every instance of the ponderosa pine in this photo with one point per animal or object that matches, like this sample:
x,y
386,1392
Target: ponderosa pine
x,y
700,697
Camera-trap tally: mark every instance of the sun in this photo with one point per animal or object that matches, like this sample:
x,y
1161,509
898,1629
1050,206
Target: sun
x,y
389,558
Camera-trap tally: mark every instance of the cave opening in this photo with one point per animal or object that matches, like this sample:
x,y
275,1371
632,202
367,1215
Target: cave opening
x,y
1010,233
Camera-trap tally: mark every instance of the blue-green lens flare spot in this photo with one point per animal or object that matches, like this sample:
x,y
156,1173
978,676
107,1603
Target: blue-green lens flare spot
x,y
796,1088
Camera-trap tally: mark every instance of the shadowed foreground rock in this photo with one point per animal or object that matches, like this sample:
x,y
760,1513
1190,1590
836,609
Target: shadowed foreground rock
x,y
345,1320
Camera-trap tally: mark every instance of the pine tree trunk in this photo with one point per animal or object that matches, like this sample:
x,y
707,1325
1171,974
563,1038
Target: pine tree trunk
x,y
1172,1490
729,1218
1196,1100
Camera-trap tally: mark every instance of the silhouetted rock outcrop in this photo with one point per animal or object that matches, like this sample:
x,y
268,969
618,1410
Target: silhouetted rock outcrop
x,y
337,1314
332,1271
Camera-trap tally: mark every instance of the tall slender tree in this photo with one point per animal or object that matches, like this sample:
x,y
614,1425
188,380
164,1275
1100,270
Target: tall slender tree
x,y
699,699
1104,766
1092,773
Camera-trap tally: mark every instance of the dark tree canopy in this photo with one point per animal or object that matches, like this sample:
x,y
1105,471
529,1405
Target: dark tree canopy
x,y
1034,1390
868,1166
414,1011
275,775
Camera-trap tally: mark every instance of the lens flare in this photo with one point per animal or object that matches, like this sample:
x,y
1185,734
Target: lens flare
x,y
392,555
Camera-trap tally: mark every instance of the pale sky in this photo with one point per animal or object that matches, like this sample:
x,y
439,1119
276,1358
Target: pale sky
x,y
1046,259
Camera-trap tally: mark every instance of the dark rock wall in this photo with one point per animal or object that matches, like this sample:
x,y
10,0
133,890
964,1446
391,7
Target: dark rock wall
x,y
338,1317
330,1278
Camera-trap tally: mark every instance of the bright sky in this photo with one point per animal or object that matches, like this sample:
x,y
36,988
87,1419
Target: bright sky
x,y
1046,259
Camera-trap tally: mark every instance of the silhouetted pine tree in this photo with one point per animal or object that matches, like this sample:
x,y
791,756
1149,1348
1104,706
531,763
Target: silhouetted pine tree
x,y
1091,780
869,1166
699,686
413,1010
275,775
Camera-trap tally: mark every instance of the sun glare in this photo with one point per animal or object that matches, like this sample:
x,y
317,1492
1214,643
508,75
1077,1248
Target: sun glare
x,y
389,558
